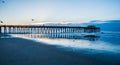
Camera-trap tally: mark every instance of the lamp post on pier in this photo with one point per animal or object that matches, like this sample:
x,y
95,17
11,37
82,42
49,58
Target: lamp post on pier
x,y
1,1
1,27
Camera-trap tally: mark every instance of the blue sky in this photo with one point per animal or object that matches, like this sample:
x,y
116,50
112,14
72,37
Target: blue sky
x,y
80,11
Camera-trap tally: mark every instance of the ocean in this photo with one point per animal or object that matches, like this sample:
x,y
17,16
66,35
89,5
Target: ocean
x,y
100,49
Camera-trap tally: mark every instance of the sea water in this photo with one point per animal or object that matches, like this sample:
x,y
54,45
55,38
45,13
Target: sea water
x,y
103,46
103,42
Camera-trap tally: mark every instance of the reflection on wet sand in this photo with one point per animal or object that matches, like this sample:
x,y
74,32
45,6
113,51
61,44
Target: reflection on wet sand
x,y
61,36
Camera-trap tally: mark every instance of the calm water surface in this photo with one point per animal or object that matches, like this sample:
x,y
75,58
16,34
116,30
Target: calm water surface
x,y
101,43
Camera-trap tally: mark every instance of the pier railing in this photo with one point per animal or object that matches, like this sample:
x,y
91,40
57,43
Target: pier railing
x,y
41,29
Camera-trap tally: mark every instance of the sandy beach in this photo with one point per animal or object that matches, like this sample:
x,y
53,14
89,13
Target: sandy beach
x,y
59,32
19,51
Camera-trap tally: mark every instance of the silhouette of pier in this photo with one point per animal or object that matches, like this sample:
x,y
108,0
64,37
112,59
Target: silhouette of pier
x,y
42,29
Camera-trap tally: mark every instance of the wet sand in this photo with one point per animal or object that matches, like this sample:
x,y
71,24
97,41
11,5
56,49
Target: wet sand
x,y
19,51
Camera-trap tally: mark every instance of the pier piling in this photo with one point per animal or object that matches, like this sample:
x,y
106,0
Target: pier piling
x,y
19,29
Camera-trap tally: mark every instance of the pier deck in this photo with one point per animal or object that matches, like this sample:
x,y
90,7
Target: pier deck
x,y
46,29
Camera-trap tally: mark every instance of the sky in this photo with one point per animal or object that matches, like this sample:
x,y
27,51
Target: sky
x,y
54,11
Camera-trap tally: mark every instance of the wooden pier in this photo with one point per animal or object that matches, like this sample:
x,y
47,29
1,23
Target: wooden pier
x,y
42,29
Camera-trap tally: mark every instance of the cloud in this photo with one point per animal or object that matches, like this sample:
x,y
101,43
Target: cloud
x,y
105,21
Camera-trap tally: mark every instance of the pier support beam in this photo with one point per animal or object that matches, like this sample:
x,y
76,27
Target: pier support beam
x,y
46,29
0,30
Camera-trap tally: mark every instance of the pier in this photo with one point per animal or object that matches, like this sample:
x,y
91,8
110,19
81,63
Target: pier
x,y
42,29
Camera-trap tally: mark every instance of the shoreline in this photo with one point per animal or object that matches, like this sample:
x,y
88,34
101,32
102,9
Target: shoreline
x,y
19,51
